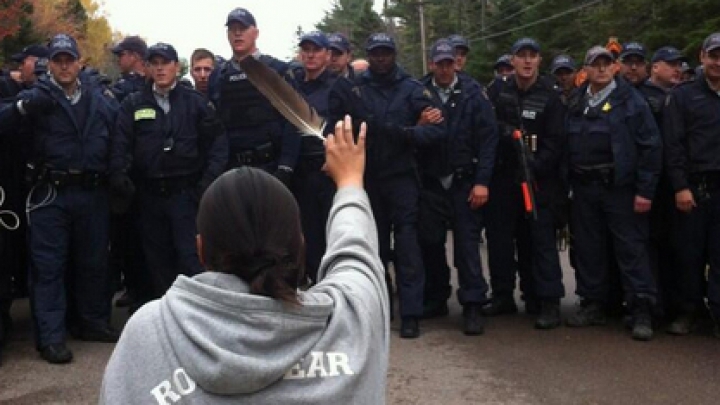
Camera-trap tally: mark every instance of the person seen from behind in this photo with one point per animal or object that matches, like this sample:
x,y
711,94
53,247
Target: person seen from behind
x,y
242,331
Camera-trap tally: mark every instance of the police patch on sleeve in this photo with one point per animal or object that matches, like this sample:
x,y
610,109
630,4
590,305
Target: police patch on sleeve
x,y
427,94
108,93
145,114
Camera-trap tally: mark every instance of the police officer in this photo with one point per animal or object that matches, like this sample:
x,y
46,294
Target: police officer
x,y
458,172
202,63
126,253
665,73
691,129
169,135
564,69
529,103
633,63
258,135
130,53
614,162
503,66
462,49
391,103
68,214
13,155
313,189
340,55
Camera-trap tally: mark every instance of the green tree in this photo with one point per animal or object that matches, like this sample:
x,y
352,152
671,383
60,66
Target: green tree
x,y
356,19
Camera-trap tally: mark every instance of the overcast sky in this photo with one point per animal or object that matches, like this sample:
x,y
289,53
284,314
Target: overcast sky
x,y
190,24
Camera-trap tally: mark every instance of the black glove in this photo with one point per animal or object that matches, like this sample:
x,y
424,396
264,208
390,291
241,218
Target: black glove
x,y
285,175
37,103
122,191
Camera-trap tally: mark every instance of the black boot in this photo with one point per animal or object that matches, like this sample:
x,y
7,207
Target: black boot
x,y
642,319
590,313
549,317
684,324
500,305
473,320
409,328
105,334
56,353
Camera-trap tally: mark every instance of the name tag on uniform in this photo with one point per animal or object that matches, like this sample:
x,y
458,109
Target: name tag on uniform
x,y
529,115
145,114
237,77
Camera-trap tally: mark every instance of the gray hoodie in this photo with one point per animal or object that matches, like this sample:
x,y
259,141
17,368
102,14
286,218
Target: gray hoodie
x,y
209,341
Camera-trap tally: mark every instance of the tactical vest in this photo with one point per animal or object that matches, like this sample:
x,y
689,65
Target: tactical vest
x,y
589,134
241,104
513,112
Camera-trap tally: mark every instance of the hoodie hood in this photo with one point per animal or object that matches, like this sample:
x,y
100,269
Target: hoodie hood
x,y
232,342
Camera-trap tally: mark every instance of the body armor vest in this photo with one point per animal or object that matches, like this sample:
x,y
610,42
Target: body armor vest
x,y
241,104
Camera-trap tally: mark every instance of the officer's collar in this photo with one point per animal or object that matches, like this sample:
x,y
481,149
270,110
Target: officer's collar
x,y
650,83
323,76
709,85
164,93
72,98
447,89
236,64
597,98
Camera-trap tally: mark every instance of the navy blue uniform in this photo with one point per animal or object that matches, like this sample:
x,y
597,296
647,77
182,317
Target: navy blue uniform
x,y
391,105
174,156
466,159
128,84
125,237
661,250
539,112
258,135
13,247
614,155
69,216
313,189
691,129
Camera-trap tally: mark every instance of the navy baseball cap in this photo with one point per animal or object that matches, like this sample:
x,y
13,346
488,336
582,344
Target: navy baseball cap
x,y
163,50
459,41
317,38
632,48
503,60
524,43
442,50
242,16
712,42
39,51
380,40
63,43
596,52
339,41
667,54
562,62
132,44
